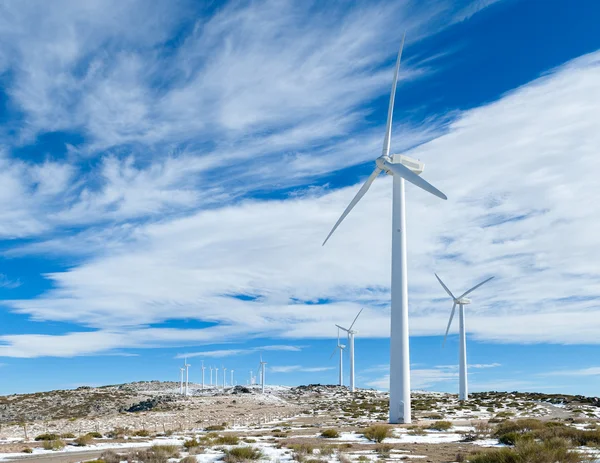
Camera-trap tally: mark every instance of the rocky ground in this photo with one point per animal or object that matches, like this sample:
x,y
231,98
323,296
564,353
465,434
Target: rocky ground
x,y
285,424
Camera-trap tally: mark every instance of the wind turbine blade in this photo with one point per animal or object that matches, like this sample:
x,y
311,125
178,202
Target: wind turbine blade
x,y
388,126
342,328
338,338
444,286
449,323
355,320
402,171
333,353
356,199
476,286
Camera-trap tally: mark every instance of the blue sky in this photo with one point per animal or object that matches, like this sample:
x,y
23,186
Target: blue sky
x,y
169,172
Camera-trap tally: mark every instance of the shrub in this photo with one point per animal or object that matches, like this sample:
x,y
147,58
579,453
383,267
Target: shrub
x,y
118,433
227,440
326,450
141,433
383,449
170,451
47,436
27,450
416,431
110,456
249,440
82,441
554,450
215,427
54,444
95,435
237,454
330,433
68,435
377,432
189,459
440,426
188,444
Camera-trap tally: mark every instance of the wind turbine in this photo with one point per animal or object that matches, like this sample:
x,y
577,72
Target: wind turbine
x,y
231,378
251,378
401,168
224,378
461,301
351,334
211,370
187,376
181,370
261,365
341,348
216,377
203,368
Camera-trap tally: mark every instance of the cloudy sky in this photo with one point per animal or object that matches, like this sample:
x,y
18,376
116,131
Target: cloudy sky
x,y
169,170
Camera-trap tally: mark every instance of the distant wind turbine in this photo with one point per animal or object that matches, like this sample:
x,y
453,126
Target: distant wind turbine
x,y
262,374
211,379
217,377
351,334
401,168
224,378
187,377
232,378
341,348
461,301
181,370
203,368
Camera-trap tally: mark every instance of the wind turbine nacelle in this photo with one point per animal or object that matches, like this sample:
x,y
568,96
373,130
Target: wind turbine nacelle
x,y
464,301
413,164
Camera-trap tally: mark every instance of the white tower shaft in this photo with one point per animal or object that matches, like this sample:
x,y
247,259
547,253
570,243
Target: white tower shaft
x,y
203,368
224,378
211,370
231,383
341,378
399,335
262,378
187,377
463,393
351,347
181,381
216,377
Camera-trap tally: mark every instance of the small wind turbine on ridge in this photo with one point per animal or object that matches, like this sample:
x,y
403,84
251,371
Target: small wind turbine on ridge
x,y
461,301
341,348
351,334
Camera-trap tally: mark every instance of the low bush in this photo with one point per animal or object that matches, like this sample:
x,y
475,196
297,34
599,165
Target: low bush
x,y
68,435
188,459
188,444
226,440
416,431
249,440
110,456
47,436
377,432
141,433
27,450
383,449
84,440
215,427
54,444
330,433
118,433
239,454
555,450
440,426
95,435
170,451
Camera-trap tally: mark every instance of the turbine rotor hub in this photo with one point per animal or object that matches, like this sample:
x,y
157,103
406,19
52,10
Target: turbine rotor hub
x,y
463,301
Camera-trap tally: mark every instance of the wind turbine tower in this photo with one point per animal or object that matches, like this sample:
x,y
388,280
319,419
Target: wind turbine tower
x,y
262,374
232,384
461,301
211,370
187,377
217,377
203,368
341,348
181,370
351,334
401,168
224,378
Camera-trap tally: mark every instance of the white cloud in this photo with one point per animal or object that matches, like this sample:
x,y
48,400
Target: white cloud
x,y
591,371
298,368
236,352
520,173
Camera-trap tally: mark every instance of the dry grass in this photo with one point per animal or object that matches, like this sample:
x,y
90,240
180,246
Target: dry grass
x,y
377,432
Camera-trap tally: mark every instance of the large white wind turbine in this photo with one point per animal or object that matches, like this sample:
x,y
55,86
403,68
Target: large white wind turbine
x,y
341,348
203,368
351,334
461,301
401,168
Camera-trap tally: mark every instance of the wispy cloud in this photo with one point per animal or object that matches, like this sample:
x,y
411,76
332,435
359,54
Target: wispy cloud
x,y
591,371
236,352
298,368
